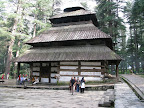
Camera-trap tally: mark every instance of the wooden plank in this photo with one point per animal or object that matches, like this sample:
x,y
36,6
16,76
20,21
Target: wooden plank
x,y
67,65
84,70
83,75
36,68
75,70
54,69
18,69
85,65
36,64
90,63
117,72
91,73
58,68
53,64
53,72
79,68
68,73
92,70
40,72
93,65
70,63
49,72
53,78
31,70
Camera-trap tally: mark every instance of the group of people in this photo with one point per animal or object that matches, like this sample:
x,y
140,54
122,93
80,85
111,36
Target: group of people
x,y
22,78
7,77
76,84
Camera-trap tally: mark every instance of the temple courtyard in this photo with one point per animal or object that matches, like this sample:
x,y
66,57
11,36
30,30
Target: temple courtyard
x,y
15,96
40,98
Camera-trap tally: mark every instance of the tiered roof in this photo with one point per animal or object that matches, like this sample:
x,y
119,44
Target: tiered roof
x,y
70,32
65,29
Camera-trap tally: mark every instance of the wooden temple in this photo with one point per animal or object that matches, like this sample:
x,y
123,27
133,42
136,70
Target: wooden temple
x,y
73,46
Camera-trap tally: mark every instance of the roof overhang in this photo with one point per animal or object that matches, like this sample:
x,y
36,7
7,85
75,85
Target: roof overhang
x,y
69,53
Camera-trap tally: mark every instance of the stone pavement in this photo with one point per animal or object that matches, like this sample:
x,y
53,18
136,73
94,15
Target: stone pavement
x,y
136,80
41,98
126,98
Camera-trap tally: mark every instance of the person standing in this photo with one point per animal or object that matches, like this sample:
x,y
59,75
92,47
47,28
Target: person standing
x,y
72,84
77,84
8,76
82,85
19,79
2,77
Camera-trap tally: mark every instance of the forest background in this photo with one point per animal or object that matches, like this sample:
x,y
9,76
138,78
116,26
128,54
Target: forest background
x,y
21,20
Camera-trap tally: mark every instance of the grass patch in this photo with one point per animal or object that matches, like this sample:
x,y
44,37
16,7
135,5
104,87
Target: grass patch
x,y
142,76
62,83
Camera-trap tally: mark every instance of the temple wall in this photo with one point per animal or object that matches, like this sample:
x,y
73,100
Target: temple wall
x,y
91,71
82,69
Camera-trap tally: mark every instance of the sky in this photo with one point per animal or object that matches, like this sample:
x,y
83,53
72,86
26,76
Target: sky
x,y
72,3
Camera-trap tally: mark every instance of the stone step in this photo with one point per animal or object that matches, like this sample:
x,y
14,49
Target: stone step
x,y
108,99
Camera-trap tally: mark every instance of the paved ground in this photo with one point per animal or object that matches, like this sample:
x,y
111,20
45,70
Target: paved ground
x,y
136,80
125,97
39,98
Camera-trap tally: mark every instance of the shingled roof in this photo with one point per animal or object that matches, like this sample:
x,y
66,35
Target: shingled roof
x,y
69,53
72,13
70,32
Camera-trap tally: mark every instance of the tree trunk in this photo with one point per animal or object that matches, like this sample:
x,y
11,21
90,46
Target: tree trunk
x,y
15,64
136,49
34,32
9,58
11,43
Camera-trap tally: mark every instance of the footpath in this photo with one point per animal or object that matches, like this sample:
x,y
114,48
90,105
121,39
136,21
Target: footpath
x,y
126,98
136,83
136,80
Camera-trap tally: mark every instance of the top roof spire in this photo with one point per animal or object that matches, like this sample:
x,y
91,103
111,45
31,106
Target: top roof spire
x,y
70,9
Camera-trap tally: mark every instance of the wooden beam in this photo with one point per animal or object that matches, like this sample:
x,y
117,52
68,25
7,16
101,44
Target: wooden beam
x,y
92,65
83,75
86,65
31,70
49,72
92,70
117,72
84,70
67,65
40,72
18,69
73,70
79,68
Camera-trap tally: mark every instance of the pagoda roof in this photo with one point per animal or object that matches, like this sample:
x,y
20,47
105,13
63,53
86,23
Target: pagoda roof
x,y
73,13
69,53
79,31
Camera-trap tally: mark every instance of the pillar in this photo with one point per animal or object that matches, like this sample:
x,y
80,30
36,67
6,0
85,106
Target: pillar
x,y
117,72
18,69
31,70
79,68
